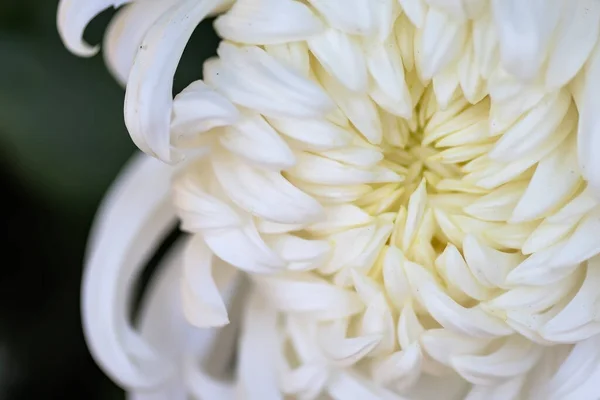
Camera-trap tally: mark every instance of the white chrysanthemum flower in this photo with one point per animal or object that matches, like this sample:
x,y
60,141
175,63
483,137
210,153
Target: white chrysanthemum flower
x,y
411,187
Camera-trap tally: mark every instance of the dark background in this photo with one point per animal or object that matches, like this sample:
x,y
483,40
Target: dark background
x,y
62,141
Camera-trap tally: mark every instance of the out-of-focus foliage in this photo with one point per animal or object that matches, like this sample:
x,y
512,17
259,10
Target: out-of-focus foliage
x,y
62,141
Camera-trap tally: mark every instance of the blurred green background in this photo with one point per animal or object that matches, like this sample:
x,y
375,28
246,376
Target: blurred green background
x,y
63,141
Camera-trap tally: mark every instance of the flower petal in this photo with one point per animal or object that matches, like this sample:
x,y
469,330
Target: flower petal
x,y
201,299
134,218
126,32
72,18
263,192
267,22
148,98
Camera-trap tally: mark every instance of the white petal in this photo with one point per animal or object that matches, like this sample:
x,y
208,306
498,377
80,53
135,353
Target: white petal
x,y
489,265
257,361
394,278
198,109
200,210
301,254
387,69
313,134
243,248
358,107
134,218
126,32
348,386
402,368
525,30
415,10
576,370
516,356
342,57
201,299
350,16
341,217
263,192
255,140
267,22
555,179
163,325
588,134
576,35
451,315
72,18
148,98
316,169
443,40
306,294
443,345
252,78
535,129
558,261
579,319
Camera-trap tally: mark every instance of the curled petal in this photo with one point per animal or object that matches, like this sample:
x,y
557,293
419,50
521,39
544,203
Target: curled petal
x,y
72,18
148,98
126,32
198,109
132,221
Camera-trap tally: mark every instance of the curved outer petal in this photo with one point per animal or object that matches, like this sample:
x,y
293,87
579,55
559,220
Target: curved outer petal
x,y
126,32
163,325
133,219
148,99
72,18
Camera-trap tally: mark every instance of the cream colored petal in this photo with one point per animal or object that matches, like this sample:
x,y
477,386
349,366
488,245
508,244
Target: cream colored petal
x,y
133,219
267,22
